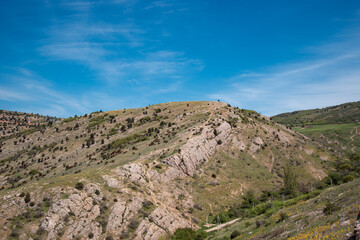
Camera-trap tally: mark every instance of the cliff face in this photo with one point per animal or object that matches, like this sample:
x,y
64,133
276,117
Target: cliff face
x,y
143,173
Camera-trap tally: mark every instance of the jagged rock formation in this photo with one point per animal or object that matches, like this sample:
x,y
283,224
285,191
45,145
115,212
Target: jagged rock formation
x,y
200,148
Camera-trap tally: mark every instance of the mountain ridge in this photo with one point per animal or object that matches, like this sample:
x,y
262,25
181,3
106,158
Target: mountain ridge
x,y
143,173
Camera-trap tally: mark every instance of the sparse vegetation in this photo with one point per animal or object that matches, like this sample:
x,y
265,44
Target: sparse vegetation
x,y
79,186
264,176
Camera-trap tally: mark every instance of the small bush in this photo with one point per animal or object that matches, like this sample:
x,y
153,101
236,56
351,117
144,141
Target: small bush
x,y
201,235
259,223
330,208
14,233
348,178
79,186
235,234
27,198
91,235
133,224
184,234
109,237
283,216
124,235
198,206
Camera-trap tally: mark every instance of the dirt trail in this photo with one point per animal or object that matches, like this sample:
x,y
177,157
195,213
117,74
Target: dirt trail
x,y
218,227
352,138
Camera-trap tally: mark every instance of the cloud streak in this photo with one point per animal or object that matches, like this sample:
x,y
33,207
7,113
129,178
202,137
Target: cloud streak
x,y
105,47
331,77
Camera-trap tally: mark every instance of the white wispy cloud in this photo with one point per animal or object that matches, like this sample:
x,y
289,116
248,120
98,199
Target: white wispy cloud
x,y
114,52
39,95
331,77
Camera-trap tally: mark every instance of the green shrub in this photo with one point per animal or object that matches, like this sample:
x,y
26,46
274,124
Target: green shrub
x,y
345,167
33,172
79,186
290,182
235,234
283,216
133,224
333,178
109,237
201,235
348,178
184,234
330,208
27,198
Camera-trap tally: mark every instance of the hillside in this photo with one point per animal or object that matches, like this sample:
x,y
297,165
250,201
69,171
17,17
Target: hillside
x,y
336,129
12,123
330,215
339,114
143,173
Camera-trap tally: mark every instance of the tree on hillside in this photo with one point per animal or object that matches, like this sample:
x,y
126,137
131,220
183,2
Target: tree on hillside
x,y
290,183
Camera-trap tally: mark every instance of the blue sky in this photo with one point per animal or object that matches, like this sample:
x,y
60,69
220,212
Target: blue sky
x,y
70,57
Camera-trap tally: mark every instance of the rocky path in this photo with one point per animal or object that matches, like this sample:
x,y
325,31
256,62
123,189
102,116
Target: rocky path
x,y
352,139
218,227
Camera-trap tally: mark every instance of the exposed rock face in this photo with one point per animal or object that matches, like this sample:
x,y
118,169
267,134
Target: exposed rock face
x,y
160,222
148,230
115,206
257,143
111,182
121,214
134,172
357,228
77,213
356,234
200,148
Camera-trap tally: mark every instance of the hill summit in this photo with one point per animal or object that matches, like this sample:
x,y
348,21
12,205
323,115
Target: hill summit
x,y
143,173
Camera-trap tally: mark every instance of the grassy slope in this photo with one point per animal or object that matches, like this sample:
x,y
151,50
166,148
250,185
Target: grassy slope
x,y
234,170
335,128
305,220
344,113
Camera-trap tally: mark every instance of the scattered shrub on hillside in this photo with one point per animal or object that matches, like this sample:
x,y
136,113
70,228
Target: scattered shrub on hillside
x,y
348,178
333,178
133,224
330,208
290,183
27,198
79,186
198,206
283,216
124,234
259,223
109,237
235,234
184,234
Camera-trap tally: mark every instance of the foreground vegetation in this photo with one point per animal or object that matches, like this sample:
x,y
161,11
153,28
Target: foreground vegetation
x,y
264,216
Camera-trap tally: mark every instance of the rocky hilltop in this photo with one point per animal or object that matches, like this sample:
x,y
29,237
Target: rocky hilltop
x,y
143,173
